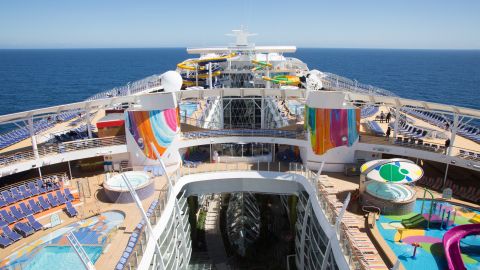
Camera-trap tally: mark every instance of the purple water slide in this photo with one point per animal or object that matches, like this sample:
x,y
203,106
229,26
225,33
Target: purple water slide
x,y
451,244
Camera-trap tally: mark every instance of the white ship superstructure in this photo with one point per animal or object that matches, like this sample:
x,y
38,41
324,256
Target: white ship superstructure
x,y
236,124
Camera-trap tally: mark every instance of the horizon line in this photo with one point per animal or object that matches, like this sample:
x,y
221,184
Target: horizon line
x,y
184,47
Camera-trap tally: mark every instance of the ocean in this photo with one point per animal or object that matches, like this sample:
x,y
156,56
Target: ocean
x,y
32,79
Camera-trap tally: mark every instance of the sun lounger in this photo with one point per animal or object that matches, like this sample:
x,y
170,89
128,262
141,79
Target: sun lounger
x,y
34,206
11,234
26,211
41,186
72,212
8,198
43,203
34,223
33,189
16,194
53,201
7,216
16,213
24,229
25,192
4,241
60,197
68,194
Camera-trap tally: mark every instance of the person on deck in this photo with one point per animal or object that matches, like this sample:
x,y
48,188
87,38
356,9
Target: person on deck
x,y
387,134
447,145
382,116
387,118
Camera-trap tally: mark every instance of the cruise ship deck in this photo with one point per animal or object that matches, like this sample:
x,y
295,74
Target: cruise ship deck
x,y
242,158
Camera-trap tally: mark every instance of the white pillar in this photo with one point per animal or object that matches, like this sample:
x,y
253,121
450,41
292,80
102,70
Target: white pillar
x,y
88,122
268,83
262,113
397,118
210,75
454,129
33,138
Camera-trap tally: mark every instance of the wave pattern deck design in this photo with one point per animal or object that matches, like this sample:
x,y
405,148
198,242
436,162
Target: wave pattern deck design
x,y
330,128
158,127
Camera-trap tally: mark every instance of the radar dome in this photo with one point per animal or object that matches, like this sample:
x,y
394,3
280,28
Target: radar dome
x,y
171,81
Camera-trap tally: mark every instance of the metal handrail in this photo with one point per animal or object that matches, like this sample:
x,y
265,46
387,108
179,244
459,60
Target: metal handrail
x,y
276,133
59,148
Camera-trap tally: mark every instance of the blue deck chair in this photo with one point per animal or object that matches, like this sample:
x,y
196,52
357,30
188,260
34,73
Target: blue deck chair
x,y
53,201
34,206
4,241
8,198
7,216
41,186
25,192
43,203
60,197
16,194
68,194
26,211
72,212
11,234
24,229
34,223
2,202
3,223
33,189
16,213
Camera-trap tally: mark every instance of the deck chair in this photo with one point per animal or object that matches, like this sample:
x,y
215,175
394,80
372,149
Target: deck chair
x,y
11,234
34,206
71,211
26,211
24,229
34,223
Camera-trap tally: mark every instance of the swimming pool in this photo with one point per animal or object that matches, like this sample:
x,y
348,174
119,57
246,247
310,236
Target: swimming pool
x,y
136,178
188,108
430,254
117,191
53,251
391,192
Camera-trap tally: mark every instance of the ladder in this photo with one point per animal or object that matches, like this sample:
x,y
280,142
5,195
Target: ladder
x,y
80,251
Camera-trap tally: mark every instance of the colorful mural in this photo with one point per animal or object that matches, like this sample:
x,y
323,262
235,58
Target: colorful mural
x,y
330,128
158,127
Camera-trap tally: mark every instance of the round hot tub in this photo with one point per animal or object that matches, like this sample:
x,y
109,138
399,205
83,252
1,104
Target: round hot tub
x,y
391,198
117,191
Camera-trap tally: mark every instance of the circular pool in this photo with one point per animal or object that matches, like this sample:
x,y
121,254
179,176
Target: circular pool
x,y
390,198
117,191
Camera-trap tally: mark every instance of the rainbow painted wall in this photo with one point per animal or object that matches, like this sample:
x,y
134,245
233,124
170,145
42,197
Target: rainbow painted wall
x,y
330,128
157,126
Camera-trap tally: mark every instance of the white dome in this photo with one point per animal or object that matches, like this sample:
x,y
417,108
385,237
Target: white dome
x,y
171,81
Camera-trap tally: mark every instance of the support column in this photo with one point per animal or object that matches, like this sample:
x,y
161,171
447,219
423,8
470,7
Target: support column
x,y
221,113
397,118
88,122
33,138
268,83
210,75
454,129
262,113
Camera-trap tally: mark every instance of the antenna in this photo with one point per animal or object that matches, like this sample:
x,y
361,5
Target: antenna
x,y
241,36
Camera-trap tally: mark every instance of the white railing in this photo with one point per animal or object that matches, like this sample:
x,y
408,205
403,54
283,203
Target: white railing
x,y
354,259
275,133
334,81
59,148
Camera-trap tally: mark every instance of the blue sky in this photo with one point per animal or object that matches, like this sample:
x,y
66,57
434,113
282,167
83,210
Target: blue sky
x,y
435,24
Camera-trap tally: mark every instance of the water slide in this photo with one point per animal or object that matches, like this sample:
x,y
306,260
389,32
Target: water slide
x,y
260,65
451,244
283,79
200,63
